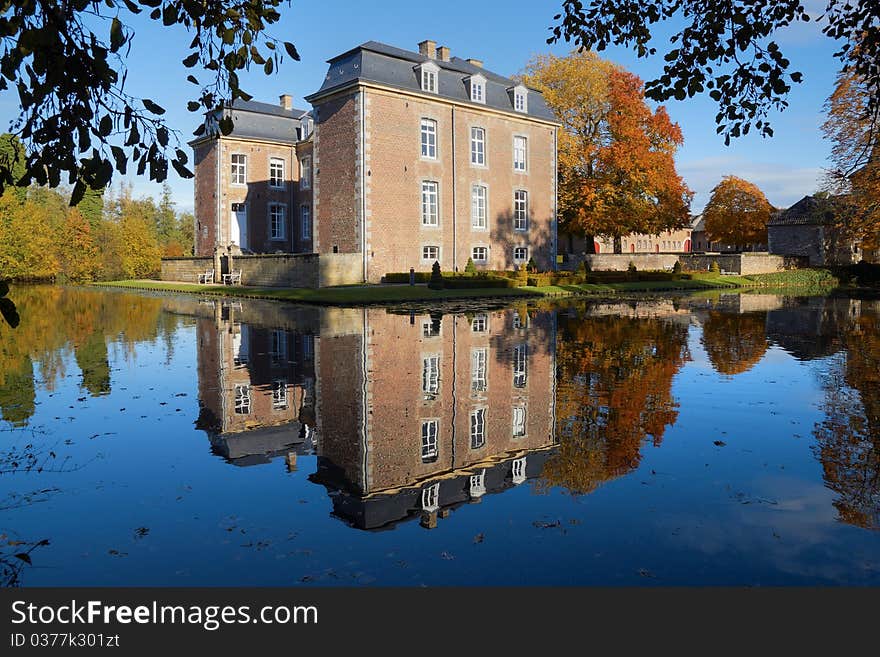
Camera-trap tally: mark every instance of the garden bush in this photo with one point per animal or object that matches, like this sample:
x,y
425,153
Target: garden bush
x,y
436,282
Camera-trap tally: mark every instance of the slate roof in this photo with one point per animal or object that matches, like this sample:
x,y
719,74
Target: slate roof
x,y
264,121
394,67
809,211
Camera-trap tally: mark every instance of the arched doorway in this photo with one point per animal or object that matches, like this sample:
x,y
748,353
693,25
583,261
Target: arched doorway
x,y
632,248
656,248
687,246
596,247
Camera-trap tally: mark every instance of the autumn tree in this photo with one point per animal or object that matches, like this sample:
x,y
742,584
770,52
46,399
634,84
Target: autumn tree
x,y
77,252
737,213
855,157
616,166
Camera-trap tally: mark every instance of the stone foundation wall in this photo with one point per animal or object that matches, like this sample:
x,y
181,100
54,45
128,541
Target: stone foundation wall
x,y
274,270
340,269
738,263
185,270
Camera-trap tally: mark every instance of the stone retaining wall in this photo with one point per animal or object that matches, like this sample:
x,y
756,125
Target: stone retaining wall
x,y
738,263
185,270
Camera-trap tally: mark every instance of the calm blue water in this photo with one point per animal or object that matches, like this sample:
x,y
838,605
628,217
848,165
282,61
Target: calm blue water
x,y
161,440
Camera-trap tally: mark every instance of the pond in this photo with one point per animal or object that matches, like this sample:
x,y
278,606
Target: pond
x,y
181,441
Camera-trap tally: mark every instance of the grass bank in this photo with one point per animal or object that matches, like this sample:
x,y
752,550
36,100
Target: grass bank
x,y
812,279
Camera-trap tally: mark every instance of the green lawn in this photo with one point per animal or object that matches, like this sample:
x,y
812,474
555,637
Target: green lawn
x,y
370,294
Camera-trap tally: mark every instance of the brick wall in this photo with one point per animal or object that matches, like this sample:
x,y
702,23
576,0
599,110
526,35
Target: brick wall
x,y
185,270
396,170
205,197
336,203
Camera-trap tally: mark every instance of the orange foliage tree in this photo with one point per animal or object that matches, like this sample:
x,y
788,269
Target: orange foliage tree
x,y
616,165
737,213
734,343
614,391
855,169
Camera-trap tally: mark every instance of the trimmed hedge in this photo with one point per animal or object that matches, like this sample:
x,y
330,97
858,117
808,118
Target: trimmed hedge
x,y
398,277
468,282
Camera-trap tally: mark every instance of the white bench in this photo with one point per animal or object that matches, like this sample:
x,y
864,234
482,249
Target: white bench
x,y
232,278
206,276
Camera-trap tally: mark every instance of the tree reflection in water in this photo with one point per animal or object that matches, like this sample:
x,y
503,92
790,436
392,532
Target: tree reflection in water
x,y
734,342
614,390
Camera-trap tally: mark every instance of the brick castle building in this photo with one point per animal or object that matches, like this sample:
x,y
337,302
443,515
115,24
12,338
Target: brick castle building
x,y
405,158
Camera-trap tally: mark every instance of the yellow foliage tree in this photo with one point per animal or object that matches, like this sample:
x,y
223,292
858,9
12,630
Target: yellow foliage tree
x,y
77,251
737,213
27,247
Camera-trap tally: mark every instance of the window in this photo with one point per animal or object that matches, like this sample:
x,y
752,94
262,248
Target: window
x,y
276,173
305,173
480,254
518,322
518,470
430,253
305,213
477,85
479,198
520,147
520,365
276,222
279,394
431,375
240,344
308,347
520,210
431,329
480,323
430,429
478,428
520,254
242,400
431,498
478,147
429,138
429,79
519,421
278,347
478,484
430,196
520,102
478,369
239,169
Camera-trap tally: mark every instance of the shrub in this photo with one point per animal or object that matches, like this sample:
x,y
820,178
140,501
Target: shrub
x,y
403,277
585,267
531,266
532,281
676,268
461,282
436,282
632,269
470,267
714,267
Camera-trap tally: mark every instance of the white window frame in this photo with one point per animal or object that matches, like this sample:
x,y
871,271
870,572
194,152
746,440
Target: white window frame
x,y
430,440
520,155
429,77
521,258
520,99
279,395
479,207
521,210
276,182
520,365
305,219
518,470
277,231
305,172
242,399
431,497
478,484
480,323
478,146
308,347
476,258
431,375
430,203
428,138
519,422
428,330
477,89
426,249
278,353
478,428
238,170
479,370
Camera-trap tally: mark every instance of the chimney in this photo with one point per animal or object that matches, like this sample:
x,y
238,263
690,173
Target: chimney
x,y
428,48
443,53
286,101
475,62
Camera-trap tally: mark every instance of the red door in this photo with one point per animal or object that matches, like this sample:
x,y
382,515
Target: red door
x,y
687,246
656,248
596,247
632,248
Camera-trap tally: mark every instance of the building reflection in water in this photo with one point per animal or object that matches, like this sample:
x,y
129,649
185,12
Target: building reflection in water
x,y
418,414
256,387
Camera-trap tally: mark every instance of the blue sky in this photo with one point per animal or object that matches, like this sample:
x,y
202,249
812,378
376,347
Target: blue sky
x,y
504,36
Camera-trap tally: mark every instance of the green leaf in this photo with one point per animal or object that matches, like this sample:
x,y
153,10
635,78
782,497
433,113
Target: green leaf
x,y
117,37
226,125
182,171
291,50
79,190
267,67
24,557
152,107
105,127
192,60
193,106
4,288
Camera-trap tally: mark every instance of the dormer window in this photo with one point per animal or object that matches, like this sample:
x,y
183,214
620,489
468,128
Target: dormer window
x,y
477,88
428,73
520,97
